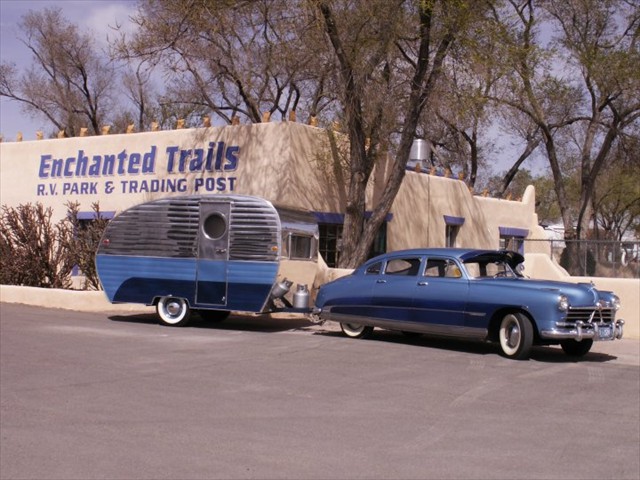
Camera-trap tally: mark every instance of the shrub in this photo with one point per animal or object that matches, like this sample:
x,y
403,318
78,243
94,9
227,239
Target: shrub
x,y
36,253
83,244
32,249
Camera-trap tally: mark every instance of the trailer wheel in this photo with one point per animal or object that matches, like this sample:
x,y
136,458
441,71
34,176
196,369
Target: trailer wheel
x,y
214,316
173,311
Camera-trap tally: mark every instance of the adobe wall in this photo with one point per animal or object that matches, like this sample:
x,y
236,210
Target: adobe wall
x,y
288,163
271,160
424,200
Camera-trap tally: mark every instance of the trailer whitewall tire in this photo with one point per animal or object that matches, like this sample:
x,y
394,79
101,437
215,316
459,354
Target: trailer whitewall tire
x,y
173,311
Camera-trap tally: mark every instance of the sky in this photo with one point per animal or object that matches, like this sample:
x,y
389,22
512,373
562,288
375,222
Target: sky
x,y
99,16
95,15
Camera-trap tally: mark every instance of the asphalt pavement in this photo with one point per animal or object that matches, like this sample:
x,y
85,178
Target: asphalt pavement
x,y
116,396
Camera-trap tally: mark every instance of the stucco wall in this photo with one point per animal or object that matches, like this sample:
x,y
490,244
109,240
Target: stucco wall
x,y
424,200
288,163
272,160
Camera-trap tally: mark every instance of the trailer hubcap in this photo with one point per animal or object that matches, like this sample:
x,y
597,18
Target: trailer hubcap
x,y
173,308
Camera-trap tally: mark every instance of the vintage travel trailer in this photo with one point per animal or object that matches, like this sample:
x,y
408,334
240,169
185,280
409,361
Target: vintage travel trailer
x,y
211,254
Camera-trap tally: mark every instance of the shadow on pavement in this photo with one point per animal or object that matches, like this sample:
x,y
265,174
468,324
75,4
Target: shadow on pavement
x,y
248,323
546,354
268,323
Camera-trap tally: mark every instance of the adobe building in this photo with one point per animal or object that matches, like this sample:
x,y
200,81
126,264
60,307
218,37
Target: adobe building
x,y
287,163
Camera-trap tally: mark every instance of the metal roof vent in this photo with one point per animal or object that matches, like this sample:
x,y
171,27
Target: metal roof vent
x,y
419,154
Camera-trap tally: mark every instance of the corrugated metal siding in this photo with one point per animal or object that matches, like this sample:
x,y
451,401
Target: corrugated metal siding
x,y
255,231
169,228
163,228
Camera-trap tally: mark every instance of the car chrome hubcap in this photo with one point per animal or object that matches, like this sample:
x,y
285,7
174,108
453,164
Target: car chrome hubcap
x,y
513,336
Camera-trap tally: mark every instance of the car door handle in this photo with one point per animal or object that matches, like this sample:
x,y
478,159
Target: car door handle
x,y
221,250
381,281
423,284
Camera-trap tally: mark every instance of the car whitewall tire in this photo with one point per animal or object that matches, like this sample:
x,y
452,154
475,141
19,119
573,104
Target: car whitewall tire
x,y
354,330
516,336
173,311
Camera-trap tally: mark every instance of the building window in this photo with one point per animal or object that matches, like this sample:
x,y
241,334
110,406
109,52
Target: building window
x,y
515,244
451,235
452,228
330,241
513,238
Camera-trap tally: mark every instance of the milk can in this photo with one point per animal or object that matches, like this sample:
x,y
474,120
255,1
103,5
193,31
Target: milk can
x,y
301,297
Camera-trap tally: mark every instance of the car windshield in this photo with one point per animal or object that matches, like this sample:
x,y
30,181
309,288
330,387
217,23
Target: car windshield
x,y
484,267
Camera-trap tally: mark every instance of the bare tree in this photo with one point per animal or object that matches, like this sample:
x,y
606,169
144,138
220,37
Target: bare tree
x,y
581,116
228,58
69,82
385,89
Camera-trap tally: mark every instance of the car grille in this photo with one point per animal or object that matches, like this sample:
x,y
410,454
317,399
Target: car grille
x,y
590,314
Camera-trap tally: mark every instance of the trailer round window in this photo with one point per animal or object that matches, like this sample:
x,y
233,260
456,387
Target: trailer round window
x,y
215,226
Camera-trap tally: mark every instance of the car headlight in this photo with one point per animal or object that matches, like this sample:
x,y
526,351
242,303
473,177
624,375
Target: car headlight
x,y
563,303
615,302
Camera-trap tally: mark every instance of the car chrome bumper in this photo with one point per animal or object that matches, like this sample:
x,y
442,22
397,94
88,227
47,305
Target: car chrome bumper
x,y
582,330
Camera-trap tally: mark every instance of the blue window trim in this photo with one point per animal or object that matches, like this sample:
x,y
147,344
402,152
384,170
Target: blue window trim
x,y
92,215
513,232
338,218
451,220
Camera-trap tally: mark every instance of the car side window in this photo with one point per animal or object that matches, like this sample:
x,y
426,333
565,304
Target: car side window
x,y
452,270
444,268
403,266
374,269
435,267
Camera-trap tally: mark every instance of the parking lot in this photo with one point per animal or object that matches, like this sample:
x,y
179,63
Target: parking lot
x,y
114,395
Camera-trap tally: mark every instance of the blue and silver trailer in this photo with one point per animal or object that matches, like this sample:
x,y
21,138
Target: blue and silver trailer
x,y
212,254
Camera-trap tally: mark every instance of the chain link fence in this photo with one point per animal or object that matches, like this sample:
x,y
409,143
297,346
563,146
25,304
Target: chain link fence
x,y
597,258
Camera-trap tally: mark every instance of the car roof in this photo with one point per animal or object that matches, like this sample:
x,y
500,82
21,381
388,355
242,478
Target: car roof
x,y
462,254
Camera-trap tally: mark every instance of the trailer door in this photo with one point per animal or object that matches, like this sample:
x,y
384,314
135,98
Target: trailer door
x,y
213,253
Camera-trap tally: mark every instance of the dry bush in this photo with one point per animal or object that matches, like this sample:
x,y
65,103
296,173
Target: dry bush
x,y
36,253
32,251
83,244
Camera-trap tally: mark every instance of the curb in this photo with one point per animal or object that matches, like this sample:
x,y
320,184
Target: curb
x,y
78,300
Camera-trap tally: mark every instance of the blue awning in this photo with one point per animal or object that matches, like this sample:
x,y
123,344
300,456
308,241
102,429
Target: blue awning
x,y
513,232
451,220
338,218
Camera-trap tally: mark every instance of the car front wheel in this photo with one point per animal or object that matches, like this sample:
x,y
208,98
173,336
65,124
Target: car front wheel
x,y
576,349
173,311
516,336
354,330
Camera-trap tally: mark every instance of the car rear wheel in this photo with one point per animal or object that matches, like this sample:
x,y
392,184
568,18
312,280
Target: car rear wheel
x,y
575,348
214,316
173,311
516,336
354,330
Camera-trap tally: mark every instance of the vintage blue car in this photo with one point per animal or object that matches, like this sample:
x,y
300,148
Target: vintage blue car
x,y
465,293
